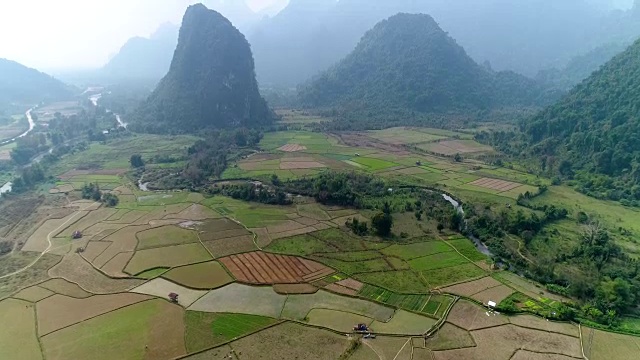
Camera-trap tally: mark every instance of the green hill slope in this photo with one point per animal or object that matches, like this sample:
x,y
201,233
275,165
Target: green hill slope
x,y
592,135
407,64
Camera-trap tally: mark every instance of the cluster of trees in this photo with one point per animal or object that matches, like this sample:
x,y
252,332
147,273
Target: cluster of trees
x,y
209,158
28,178
92,191
254,192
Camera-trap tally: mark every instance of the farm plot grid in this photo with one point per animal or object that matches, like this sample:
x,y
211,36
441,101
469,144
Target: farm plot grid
x,y
495,184
421,303
265,268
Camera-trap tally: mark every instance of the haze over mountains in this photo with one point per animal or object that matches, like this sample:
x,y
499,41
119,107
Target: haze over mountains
x,y
22,85
211,81
408,64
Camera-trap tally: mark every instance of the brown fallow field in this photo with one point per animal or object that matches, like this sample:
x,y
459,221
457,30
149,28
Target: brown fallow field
x,y
265,268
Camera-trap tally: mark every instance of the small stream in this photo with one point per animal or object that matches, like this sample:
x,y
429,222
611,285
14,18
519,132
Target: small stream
x,y
479,244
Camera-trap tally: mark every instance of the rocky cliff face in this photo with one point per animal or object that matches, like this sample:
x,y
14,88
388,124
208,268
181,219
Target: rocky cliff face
x,y
211,82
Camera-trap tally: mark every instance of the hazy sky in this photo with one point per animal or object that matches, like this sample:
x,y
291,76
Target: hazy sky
x,y
61,34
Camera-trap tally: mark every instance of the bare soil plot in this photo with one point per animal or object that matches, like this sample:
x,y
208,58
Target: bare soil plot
x,y
286,289
471,317
138,331
115,266
301,231
38,240
609,346
220,352
404,323
496,294
449,337
95,248
83,224
535,322
18,338
302,343
255,301
389,347
364,353
501,342
64,287
472,287
123,240
33,294
291,165
298,306
529,355
495,184
287,225
169,256
336,320
75,269
195,212
262,237
292,148
208,275
212,229
230,246
59,311
265,268
351,284
341,289
452,147
162,288
165,236
313,211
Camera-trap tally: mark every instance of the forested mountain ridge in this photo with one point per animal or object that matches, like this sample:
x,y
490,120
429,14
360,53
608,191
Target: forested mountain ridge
x,y
211,81
592,134
20,84
407,63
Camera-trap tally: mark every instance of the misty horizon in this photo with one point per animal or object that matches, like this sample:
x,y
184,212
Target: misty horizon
x,y
85,35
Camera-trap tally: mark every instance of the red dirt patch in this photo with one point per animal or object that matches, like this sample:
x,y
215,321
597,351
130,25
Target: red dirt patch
x,y
351,284
264,268
292,165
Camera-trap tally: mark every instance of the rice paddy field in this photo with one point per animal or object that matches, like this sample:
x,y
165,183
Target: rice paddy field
x,y
251,277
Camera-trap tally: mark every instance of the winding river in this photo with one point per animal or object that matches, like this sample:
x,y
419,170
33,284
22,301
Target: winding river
x,y
32,124
94,100
479,244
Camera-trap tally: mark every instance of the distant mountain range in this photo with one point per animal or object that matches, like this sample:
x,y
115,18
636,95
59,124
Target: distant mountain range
x,y
407,64
211,81
22,85
524,36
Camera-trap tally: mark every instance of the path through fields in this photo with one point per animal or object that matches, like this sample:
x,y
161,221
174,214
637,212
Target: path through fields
x,y
73,218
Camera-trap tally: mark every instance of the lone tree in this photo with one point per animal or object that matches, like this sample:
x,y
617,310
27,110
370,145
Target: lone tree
x,y
382,223
136,161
